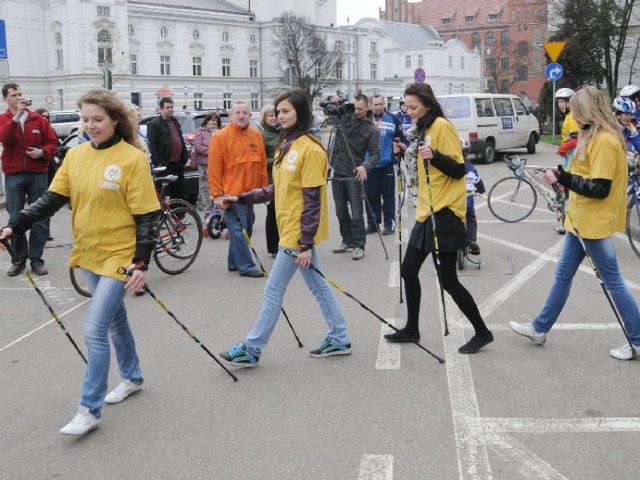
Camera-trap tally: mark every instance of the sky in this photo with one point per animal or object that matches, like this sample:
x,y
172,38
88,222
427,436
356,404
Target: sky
x,y
357,9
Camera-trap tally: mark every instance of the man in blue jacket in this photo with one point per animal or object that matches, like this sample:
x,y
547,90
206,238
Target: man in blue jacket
x,y
380,185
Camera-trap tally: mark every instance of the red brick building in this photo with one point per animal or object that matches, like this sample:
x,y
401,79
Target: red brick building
x,y
509,34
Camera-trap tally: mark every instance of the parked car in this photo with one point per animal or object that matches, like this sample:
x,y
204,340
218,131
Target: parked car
x,y
191,177
189,123
492,122
65,122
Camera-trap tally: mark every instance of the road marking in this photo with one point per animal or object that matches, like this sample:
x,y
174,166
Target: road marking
x,y
394,275
528,464
389,354
376,467
492,426
560,326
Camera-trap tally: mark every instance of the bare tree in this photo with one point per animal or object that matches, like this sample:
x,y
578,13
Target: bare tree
x,y
502,62
303,52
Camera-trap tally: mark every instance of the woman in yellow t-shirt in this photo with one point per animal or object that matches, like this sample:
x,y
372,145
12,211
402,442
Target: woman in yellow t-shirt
x,y
597,188
300,187
442,189
114,207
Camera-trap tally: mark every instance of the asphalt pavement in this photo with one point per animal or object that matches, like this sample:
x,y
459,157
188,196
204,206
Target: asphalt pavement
x,y
515,410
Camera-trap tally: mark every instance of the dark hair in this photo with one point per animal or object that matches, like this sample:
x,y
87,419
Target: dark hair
x,y
211,116
9,86
425,95
116,109
164,100
42,112
361,98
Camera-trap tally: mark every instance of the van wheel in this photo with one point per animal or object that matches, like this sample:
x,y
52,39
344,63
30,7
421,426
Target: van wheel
x,y
489,152
531,144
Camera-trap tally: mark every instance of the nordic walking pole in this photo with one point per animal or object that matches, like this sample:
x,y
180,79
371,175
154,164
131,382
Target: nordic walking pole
x,y
341,289
604,289
12,253
436,255
262,269
399,222
124,271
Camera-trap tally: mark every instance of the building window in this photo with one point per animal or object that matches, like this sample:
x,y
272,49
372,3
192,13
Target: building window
x,y
446,21
225,37
104,55
469,18
374,71
253,68
450,89
195,34
59,58
523,73
197,101
164,32
104,11
374,47
420,60
407,61
226,67
133,64
104,36
197,66
490,64
132,30
461,63
339,46
226,101
518,15
339,71
254,102
252,39
494,16
527,14
523,49
490,39
450,61
504,86
491,86
475,40
504,38
504,63
165,65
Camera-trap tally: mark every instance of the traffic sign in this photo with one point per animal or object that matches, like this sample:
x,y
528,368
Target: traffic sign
x,y
419,75
4,55
554,72
554,49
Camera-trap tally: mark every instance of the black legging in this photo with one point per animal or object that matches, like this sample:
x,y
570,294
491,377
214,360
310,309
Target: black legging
x,y
410,269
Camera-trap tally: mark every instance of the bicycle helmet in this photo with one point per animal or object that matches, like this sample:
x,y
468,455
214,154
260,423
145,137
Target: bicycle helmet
x,y
565,93
624,105
630,91
401,101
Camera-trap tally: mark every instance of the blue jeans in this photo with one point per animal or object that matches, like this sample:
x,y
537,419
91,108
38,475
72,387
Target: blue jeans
x,y
381,183
239,257
604,257
106,317
283,269
345,193
32,186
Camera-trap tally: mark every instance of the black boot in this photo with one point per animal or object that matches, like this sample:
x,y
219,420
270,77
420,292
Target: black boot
x,y
476,343
402,336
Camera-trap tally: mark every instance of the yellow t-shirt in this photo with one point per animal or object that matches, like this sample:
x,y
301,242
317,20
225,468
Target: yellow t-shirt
x,y
568,126
600,218
106,187
304,166
445,191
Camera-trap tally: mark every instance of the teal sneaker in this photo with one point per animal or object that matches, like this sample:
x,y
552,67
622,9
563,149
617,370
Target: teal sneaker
x,y
328,348
239,356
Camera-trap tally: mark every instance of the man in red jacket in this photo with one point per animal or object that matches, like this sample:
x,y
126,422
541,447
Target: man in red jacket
x,y
28,142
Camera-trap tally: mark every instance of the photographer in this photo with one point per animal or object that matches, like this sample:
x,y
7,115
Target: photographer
x,y
356,151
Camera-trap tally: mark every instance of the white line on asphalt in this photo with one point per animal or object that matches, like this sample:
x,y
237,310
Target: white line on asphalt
x,y
376,467
394,275
389,354
492,426
561,326
42,326
529,465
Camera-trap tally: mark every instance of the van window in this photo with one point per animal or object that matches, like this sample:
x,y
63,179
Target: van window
x,y
503,107
484,107
455,107
521,109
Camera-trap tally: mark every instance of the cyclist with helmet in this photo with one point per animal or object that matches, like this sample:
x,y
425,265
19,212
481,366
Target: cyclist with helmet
x,y
569,125
632,92
624,110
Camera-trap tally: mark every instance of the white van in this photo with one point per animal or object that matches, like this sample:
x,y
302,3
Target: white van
x,y
492,122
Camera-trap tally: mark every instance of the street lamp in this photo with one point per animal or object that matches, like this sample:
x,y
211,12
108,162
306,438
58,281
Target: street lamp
x,y
485,52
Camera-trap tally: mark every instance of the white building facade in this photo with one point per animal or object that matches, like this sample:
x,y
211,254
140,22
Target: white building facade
x,y
208,53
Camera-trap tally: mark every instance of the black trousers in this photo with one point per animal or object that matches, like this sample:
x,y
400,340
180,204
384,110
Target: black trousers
x,y
176,189
271,228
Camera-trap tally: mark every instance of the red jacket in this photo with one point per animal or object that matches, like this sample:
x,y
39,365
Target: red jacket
x,y
15,143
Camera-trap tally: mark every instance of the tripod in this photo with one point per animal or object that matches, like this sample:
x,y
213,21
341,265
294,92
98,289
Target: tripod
x,y
338,130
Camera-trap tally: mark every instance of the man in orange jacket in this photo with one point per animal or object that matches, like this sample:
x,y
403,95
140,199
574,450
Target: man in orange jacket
x,y
238,164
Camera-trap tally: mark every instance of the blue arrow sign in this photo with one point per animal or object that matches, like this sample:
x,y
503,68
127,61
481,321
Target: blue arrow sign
x,y
4,55
554,72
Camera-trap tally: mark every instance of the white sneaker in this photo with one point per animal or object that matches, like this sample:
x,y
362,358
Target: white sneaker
x,y
357,254
527,330
624,352
122,391
81,423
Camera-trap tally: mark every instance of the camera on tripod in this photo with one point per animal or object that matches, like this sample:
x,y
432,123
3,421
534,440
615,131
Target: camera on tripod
x,y
336,105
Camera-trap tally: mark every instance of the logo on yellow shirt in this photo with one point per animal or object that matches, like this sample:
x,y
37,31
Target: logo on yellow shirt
x,y
293,157
112,172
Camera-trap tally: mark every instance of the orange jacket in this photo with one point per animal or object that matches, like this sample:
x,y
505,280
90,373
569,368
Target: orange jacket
x,y
237,161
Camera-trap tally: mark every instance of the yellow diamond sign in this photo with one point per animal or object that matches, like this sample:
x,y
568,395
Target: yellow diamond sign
x,y
554,49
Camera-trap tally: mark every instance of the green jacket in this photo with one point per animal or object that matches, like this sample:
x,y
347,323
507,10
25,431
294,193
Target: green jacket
x,y
270,135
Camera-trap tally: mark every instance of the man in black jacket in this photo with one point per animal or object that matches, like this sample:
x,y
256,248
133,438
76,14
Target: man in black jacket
x,y
351,161
167,146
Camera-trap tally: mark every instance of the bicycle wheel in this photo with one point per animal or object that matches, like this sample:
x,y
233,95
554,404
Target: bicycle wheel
x,y
512,199
179,236
78,282
178,202
633,225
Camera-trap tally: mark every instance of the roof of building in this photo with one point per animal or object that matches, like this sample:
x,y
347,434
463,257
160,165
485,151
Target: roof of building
x,y
433,11
212,5
405,35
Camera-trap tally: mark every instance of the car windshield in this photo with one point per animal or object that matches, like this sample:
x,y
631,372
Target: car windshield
x,y
455,107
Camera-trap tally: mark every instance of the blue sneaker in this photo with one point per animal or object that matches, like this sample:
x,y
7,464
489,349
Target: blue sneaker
x,y
239,356
328,347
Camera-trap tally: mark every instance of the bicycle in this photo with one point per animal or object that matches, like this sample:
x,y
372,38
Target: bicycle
x,y
632,224
178,232
215,222
512,199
